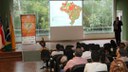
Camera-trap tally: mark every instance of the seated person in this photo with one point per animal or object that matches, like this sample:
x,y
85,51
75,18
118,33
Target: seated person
x,y
95,65
87,53
122,53
105,58
118,65
113,47
45,53
69,52
75,60
57,51
57,57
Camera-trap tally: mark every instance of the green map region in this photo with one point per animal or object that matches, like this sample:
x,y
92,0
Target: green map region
x,y
72,10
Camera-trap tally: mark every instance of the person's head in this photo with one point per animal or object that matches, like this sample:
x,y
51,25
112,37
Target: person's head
x,y
78,52
117,18
122,45
69,47
62,47
58,46
113,43
107,47
102,55
78,45
86,48
95,56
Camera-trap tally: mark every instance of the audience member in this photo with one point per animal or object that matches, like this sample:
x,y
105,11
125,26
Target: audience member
x,y
122,52
113,47
104,56
96,65
57,51
45,53
78,45
83,46
108,52
75,60
118,66
87,53
69,52
62,48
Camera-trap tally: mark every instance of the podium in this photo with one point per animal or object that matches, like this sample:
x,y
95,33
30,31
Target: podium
x,y
31,52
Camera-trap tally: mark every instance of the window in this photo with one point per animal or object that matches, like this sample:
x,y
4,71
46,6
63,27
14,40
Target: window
x,y
97,16
38,7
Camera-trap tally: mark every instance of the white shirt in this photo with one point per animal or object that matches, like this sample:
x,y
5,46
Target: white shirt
x,y
95,67
86,54
56,53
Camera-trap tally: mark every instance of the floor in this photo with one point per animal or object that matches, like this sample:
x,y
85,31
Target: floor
x,y
19,66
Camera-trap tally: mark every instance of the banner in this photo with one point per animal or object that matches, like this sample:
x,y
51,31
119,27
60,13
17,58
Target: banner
x,y
28,29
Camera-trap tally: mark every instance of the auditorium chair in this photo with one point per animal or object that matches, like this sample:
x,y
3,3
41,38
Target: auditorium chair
x,y
55,62
78,68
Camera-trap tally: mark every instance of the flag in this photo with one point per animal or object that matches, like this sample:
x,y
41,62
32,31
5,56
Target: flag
x,y
9,35
2,37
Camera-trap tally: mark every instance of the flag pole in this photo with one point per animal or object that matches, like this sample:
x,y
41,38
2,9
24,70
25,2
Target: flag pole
x,y
12,33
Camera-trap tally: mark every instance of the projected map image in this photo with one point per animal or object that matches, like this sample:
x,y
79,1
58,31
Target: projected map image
x,y
72,10
65,13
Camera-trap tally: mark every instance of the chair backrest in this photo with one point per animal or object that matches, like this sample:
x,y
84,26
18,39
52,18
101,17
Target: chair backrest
x,y
57,57
78,68
45,55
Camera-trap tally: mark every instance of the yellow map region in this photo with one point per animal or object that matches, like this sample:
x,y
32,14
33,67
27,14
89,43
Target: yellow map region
x,y
72,10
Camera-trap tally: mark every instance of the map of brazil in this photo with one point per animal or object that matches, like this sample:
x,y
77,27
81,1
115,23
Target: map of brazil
x,y
72,10
65,13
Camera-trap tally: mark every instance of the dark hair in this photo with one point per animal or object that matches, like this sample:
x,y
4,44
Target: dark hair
x,y
95,56
61,47
86,48
78,45
113,43
117,17
107,47
69,47
58,46
102,55
122,45
78,52
69,52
